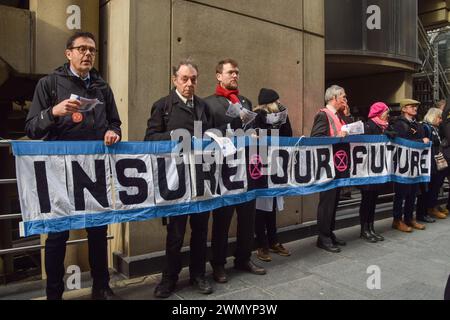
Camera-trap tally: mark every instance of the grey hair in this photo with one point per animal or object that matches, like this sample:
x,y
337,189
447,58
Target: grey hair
x,y
333,92
185,62
432,115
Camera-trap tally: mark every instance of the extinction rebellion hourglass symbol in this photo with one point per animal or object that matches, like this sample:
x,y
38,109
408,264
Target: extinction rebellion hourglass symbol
x,y
255,167
341,161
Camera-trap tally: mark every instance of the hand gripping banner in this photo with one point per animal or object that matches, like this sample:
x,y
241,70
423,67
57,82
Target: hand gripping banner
x,y
76,185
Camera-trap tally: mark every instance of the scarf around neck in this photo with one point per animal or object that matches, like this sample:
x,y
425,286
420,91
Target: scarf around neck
x,y
231,95
381,123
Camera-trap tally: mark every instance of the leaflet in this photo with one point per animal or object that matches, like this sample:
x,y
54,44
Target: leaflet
x,y
354,128
86,104
278,118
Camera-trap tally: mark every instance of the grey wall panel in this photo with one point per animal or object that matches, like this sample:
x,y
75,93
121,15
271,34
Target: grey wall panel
x,y
269,55
285,12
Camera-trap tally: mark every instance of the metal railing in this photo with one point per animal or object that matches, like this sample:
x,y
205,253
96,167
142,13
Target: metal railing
x,y
18,216
431,67
41,246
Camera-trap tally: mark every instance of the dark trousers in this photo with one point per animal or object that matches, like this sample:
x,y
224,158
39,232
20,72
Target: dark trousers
x,y
265,220
429,199
198,247
404,200
368,205
55,252
326,213
245,233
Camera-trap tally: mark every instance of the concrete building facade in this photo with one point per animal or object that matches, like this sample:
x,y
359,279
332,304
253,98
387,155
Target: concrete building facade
x,y
296,47
277,46
375,54
280,47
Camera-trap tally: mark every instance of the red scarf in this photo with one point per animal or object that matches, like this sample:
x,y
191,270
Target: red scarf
x,y
231,95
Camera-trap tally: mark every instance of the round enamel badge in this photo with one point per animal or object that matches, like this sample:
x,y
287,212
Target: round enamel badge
x,y
77,117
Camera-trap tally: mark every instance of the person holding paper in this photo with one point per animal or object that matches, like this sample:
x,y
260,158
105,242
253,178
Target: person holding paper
x,y
266,208
53,116
377,124
227,95
180,110
328,123
408,128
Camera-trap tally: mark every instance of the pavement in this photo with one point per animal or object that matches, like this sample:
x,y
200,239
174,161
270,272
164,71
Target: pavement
x,y
412,266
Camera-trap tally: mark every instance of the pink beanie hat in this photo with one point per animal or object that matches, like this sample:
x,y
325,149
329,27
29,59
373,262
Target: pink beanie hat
x,y
377,109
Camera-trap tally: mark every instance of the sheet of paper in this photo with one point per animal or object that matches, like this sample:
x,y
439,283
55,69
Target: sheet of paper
x,y
86,104
278,118
247,116
234,110
354,128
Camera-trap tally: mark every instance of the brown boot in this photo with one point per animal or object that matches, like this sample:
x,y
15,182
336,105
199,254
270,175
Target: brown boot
x,y
415,225
263,255
436,213
401,226
442,210
280,249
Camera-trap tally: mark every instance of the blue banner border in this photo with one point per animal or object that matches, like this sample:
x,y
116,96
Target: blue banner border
x,y
54,148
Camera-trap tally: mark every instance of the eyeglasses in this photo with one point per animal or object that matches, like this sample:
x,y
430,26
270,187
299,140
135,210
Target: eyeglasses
x,y
83,50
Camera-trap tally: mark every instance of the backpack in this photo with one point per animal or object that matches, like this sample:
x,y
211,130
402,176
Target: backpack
x,y
53,89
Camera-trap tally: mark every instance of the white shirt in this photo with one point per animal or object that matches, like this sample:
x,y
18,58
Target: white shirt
x,y
332,109
185,100
88,77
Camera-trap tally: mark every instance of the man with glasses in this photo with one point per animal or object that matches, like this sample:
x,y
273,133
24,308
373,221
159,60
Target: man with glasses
x,y
56,115
227,95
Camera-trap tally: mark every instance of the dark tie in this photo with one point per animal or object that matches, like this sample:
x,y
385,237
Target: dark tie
x,y
87,83
190,104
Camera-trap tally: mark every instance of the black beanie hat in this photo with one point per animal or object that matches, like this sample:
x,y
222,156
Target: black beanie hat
x,y
267,96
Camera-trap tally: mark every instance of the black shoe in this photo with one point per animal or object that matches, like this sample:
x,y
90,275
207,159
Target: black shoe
x,y
202,285
426,218
328,246
366,235
104,294
336,241
250,267
219,274
376,235
165,289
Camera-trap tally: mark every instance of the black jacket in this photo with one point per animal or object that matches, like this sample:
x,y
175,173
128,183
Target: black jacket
x,y
41,124
171,113
432,133
321,126
372,128
217,109
410,130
